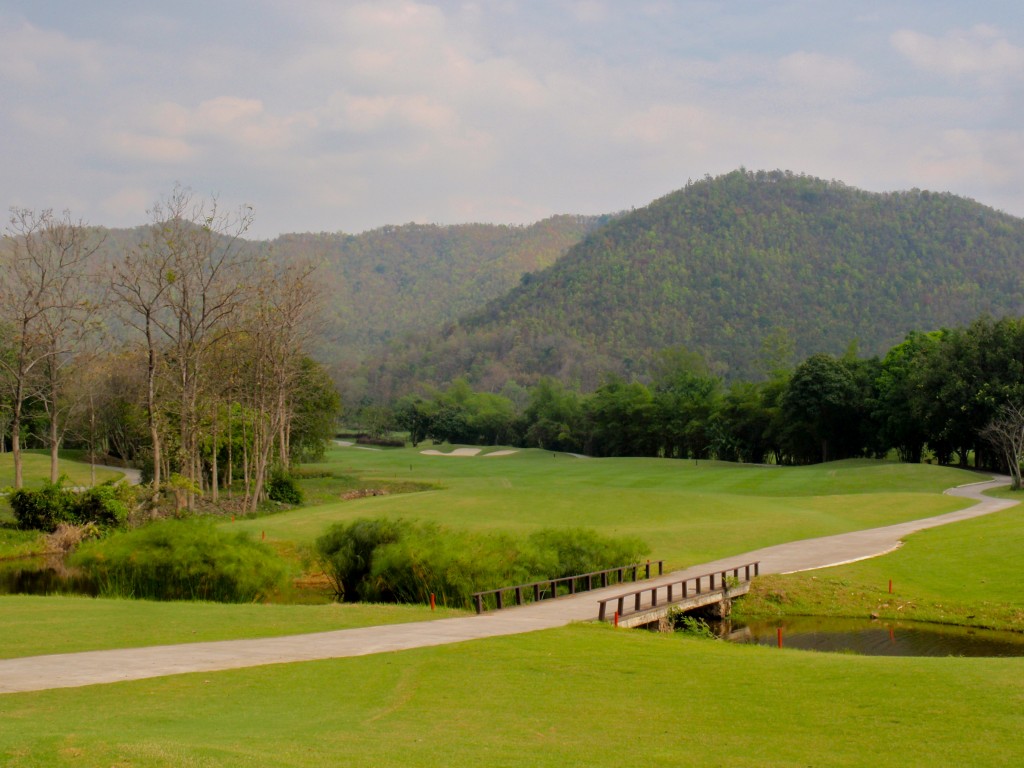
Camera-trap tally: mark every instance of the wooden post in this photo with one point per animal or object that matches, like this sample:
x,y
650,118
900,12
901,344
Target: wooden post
x,y
654,598
572,586
636,601
479,600
498,596
604,579
684,589
536,593
622,605
647,570
670,593
519,595
757,568
661,567
603,610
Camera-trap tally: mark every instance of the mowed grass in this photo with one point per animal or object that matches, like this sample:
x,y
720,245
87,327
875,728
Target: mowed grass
x,y
583,695
36,470
34,625
688,512
966,573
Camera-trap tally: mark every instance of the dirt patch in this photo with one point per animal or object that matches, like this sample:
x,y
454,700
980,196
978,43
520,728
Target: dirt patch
x,y
363,493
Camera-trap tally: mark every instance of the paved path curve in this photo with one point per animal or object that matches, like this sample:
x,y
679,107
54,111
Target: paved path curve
x,y
93,667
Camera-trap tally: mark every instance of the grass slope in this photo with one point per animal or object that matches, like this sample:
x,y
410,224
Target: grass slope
x,y
958,574
36,469
687,512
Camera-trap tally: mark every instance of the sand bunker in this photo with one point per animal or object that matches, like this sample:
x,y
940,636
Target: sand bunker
x,y
456,452
500,453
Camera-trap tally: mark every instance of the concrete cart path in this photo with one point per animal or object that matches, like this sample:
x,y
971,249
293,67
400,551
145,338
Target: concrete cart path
x,y
93,667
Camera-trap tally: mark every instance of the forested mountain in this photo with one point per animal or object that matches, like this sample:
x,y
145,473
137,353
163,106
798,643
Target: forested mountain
x,y
382,284
389,281
730,265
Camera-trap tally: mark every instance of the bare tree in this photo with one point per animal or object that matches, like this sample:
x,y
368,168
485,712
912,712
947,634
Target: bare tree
x,y
208,282
44,304
1006,433
280,323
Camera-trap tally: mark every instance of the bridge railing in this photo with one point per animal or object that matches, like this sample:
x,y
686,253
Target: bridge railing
x,y
633,602
568,585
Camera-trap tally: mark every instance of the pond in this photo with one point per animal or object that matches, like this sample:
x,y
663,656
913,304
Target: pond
x,y
869,637
42,576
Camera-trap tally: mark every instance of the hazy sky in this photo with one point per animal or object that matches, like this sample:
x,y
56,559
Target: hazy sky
x,y
328,116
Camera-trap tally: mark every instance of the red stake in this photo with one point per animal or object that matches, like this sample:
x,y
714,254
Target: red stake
x,y
778,633
616,618
431,601
263,535
890,586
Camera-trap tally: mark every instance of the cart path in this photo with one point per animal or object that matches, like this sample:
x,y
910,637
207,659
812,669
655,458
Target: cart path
x,y
94,667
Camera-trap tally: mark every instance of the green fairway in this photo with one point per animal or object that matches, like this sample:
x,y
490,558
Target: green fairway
x,y
964,573
36,469
39,625
686,511
578,696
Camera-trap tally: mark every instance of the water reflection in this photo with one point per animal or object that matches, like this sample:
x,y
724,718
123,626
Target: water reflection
x,y
42,576
877,638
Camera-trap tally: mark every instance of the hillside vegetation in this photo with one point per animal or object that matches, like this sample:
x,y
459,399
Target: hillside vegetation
x,y
728,267
387,282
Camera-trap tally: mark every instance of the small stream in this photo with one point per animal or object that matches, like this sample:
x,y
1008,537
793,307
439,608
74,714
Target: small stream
x,y
869,637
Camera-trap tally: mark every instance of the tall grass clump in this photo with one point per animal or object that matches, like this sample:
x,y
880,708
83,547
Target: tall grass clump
x,y
181,560
401,561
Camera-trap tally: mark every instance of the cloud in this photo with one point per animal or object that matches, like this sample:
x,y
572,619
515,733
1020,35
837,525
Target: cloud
x,y
820,73
35,57
981,52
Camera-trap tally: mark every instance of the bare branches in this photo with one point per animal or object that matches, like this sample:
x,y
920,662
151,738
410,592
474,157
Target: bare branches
x,y
1006,433
46,309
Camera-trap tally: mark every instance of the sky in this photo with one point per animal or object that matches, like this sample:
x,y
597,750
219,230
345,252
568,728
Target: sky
x,y
347,116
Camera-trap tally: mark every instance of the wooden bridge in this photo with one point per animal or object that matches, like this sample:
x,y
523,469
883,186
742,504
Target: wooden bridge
x,y
650,604
635,608
568,585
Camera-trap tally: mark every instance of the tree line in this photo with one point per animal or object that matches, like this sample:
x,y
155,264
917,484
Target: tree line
x,y
213,384
951,396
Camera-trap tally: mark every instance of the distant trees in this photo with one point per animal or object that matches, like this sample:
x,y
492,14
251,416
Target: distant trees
x,y
955,393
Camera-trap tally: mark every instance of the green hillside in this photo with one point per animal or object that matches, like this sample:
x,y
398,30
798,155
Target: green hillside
x,y
728,263
383,284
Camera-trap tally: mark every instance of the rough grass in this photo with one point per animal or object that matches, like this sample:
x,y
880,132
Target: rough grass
x,y
577,696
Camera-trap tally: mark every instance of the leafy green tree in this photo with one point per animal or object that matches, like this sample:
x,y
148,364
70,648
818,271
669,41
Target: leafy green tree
x,y
819,410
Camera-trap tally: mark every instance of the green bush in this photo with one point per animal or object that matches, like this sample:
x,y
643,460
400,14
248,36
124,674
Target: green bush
x,y
181,560
346,552
45,508
282,488
107,505
385,560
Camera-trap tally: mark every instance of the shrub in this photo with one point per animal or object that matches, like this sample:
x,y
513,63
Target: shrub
x,y
282,488
346,552
43,509
46,508
106,505
385,560
181,560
